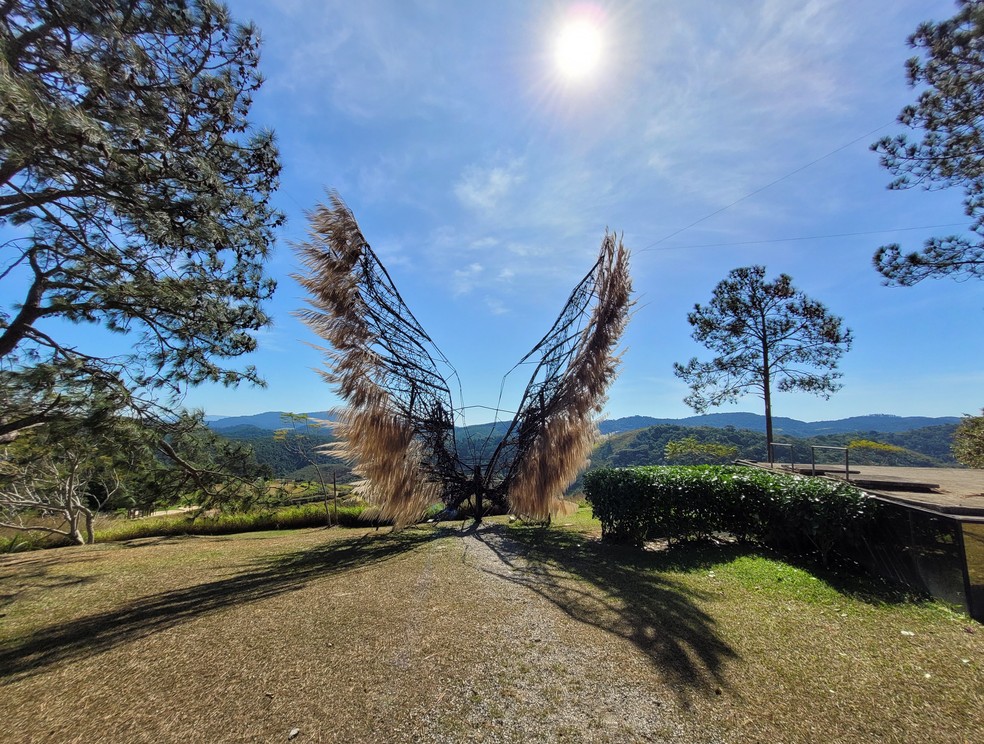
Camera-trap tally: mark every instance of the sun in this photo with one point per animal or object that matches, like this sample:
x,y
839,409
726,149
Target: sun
x,y
578,48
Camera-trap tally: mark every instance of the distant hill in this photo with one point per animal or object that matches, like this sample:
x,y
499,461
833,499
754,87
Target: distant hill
x,y
875,422
630,441
477,434
290,457
925,447
271,420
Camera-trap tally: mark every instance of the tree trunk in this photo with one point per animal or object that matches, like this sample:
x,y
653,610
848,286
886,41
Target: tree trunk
x,y
766,394
334,494
29,312
478,487
90,533
73,529
767,389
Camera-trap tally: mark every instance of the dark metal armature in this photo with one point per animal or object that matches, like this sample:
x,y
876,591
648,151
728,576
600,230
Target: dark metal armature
x,y
398,423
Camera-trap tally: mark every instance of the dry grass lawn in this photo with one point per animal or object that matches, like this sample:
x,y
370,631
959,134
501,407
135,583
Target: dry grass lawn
x,y
441,634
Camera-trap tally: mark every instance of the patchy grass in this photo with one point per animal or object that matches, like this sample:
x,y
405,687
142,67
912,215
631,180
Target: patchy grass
x,y
810,654
444,634
287,517
113,529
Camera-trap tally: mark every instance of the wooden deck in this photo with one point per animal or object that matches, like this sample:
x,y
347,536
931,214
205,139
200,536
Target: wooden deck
x,y
949,490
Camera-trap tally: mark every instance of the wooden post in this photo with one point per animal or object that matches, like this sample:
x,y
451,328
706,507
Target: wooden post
x,y
334,494
479,488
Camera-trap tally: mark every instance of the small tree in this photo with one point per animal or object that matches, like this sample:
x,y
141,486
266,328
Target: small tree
x,y
295,440
55,478
968,441
690,451
951,151
765,335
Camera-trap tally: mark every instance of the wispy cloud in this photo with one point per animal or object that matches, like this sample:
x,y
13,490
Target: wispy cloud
x,y
485,188
364,59
746,74
496,306
464,280
270,339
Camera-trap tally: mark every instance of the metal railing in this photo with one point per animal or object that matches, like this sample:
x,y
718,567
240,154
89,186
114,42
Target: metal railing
x,y
772,454
813,459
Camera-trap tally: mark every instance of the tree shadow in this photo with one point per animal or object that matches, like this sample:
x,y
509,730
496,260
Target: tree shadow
x,y
148,615
34,573
851,579
622,591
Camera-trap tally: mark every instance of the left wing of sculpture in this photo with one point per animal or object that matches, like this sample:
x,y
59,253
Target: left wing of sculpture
x,y
397,427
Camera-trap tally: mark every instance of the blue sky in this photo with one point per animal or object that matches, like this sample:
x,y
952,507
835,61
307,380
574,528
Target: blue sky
x,y
485,178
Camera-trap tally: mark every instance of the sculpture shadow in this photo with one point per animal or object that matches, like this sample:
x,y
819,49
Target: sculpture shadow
x,y
625,592
146,615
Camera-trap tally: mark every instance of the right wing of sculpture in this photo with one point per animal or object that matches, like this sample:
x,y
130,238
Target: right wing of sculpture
x,y
397,427
554,430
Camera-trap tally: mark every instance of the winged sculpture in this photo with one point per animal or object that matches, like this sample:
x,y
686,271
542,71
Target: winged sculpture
x,y
397,426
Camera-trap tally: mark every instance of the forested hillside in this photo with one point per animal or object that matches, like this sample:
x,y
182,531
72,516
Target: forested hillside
x,y
875,422
289,456
928,447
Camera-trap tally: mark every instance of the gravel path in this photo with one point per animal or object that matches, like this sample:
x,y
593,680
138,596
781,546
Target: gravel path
x,y
546,676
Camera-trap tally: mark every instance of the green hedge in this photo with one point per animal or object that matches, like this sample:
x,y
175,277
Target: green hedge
x,y
805,515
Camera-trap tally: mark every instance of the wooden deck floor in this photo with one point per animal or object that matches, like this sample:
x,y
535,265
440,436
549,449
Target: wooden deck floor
x,y
959,490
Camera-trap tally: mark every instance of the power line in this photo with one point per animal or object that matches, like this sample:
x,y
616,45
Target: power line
x,y
763,188
808,237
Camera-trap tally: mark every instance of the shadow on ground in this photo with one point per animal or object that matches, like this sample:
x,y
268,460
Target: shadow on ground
x,y
95,633
621,591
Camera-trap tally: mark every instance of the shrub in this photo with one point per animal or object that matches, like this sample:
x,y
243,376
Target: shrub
x,y
690,451
968,441
802,515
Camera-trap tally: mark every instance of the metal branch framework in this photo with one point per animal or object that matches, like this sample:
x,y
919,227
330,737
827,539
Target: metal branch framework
x,y
398,423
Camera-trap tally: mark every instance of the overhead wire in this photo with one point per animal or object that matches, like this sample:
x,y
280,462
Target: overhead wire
x,y
810,237
760,189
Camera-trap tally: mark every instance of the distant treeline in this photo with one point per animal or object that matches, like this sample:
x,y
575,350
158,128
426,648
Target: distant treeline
x,y
926,447
288,457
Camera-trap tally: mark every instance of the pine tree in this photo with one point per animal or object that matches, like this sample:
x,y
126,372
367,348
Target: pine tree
x,y
766,335
133,195
951,151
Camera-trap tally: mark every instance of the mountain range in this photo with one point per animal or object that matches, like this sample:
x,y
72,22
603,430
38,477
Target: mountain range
x,y
876,422
271,420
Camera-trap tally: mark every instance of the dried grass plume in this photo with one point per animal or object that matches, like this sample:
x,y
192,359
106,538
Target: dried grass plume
x,y
397,424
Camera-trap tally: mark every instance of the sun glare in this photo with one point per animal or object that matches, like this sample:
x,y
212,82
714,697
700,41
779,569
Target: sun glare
x,y
577,50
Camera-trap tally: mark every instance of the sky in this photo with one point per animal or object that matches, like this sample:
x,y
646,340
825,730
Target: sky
x,y
484,169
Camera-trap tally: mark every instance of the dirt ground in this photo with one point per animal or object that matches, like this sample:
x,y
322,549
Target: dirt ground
x,y
448,635
449,641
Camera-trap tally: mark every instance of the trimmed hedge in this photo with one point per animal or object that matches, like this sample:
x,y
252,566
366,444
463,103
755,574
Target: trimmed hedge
x,y
793,513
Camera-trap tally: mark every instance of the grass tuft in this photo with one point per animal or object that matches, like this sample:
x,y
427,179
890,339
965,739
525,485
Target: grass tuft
x,y
284,518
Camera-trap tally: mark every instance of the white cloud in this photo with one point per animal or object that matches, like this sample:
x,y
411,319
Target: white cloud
x,y
496,306
747,76
485,189
270,339
464,280
364,59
